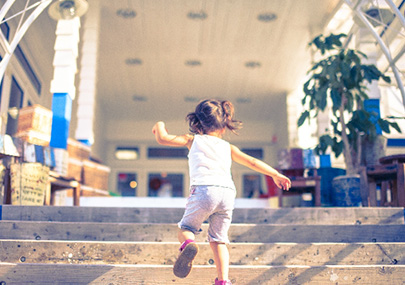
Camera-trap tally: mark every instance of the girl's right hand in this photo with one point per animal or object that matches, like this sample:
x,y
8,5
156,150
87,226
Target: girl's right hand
x,y
159,124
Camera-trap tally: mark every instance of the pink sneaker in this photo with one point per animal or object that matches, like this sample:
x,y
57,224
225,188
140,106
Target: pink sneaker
x,y
223,282
184,262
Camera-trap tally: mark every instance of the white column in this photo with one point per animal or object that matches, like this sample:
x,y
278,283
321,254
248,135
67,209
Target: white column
x,y
63,83
88,68
66,52
365,43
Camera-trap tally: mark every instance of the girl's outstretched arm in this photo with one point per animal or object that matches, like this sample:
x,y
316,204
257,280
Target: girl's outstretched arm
x,y
164,138
242,158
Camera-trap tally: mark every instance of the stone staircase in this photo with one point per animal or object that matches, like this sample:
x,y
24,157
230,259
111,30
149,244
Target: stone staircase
x,y
89,245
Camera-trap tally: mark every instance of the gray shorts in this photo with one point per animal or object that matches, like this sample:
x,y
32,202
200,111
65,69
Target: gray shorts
x,y
214,204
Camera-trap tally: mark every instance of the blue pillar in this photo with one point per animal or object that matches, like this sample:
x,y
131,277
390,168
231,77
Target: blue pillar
x,y
373,106
62,112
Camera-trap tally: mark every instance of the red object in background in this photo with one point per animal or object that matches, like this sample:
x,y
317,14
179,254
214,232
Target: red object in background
x,y
122,177
272,189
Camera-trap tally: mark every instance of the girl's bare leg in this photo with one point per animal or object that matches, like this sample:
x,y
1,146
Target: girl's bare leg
x,y
184,235
221,258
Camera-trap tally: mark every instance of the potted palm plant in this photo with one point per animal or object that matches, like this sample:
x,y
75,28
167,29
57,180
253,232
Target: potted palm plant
x,y
339,81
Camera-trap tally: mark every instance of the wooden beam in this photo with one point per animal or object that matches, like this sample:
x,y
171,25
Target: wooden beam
x,y
320,216
143,274
168,232
165,253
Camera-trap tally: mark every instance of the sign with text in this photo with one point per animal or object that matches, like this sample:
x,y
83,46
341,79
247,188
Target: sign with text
x,y
28,183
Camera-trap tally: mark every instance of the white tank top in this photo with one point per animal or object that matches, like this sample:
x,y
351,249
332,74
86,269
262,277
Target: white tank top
x,y
210,162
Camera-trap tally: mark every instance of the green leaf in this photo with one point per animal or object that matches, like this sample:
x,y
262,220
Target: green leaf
x,y
361,54
386,79
396,127
336,39
349,101
321,97
336,99
371,72
324,142
302,118
384,125
337,148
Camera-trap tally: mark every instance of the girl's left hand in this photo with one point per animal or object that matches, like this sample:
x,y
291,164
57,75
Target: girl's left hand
x,y
282,182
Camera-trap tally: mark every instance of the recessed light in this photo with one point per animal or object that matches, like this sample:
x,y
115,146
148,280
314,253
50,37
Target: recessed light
x,y
267,17
243,100
253,64
139,98
193,62
133,61
191,99
200,15
126,13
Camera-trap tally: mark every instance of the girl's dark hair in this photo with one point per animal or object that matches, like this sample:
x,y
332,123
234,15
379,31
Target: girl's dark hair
x,y
212,115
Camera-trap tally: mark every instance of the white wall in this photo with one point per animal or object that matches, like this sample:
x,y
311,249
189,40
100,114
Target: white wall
x,y
254,134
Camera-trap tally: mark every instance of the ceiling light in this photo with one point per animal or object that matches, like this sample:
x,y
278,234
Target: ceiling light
x,y
243,100
67,9
191,99
133,61
378,16
193,63
253,64
126,153
201,15
138,98
126,13
267,17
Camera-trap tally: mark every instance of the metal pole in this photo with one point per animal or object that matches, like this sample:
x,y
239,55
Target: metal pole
x,y
383,48
20,33
396,11
5,8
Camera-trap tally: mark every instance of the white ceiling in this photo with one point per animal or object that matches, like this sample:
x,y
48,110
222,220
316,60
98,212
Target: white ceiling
x,y
163,39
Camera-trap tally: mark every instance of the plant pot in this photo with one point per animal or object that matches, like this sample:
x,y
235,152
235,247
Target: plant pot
x,y
374,150
346,191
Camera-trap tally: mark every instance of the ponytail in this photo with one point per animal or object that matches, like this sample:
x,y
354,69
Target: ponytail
x,y
194,124
228,113
212,115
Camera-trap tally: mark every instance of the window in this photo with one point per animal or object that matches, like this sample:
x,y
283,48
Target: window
x,y
16,100
252,186
127,184
159,152
28,69
255,152
5,29
165,185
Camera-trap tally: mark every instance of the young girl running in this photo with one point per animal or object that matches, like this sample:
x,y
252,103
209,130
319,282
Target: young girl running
x,y
212,190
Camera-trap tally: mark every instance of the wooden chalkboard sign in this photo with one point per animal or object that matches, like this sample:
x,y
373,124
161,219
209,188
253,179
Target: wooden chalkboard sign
x,y
28,183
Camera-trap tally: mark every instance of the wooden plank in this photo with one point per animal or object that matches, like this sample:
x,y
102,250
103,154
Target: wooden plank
x,y
168,232
320,216
331,216
138,274
314,254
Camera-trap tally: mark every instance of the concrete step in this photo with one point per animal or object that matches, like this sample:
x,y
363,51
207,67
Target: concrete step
x,y
12,273
313,215
263,233
165,253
